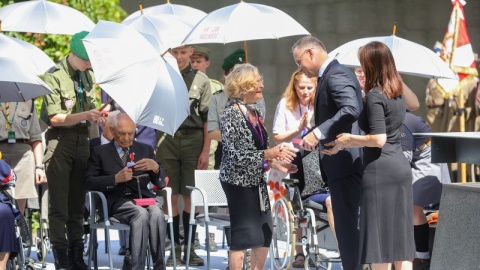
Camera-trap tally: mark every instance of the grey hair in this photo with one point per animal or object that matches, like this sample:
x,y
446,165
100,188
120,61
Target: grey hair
x,y
309,41
118,116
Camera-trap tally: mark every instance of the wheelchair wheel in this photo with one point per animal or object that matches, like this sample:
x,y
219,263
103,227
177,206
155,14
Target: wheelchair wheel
x,y
284,236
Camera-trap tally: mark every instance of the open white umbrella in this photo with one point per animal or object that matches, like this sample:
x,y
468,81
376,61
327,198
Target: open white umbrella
x,y
26,54
410,57
41,16
18,84
189,15
242,22
167,30
147,85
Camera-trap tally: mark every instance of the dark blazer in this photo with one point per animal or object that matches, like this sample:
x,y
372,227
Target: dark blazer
x,y
105,162
338,102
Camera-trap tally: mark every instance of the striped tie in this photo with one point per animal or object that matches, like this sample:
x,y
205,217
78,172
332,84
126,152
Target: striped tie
x,y
125,156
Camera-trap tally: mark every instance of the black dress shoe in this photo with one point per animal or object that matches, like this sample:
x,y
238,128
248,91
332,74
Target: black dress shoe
x,y
122,251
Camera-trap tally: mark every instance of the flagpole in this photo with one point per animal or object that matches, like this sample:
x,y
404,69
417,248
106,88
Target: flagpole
x,y
462,167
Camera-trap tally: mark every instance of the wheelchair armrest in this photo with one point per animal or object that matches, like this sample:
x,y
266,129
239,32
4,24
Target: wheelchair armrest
x,y
203,195
290,181
94,208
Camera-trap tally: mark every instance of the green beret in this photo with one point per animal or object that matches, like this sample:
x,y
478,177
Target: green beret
x,y
201,51
236,57
77,47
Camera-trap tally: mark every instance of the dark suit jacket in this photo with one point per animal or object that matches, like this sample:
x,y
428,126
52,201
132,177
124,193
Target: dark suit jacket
x,y
105,162
338,102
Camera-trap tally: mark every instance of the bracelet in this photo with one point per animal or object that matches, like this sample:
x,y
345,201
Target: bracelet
x,y
41,167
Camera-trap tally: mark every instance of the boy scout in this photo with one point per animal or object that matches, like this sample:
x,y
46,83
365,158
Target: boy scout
x,y
68,113
187,150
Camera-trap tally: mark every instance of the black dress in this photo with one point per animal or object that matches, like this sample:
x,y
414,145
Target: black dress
x,y
386,215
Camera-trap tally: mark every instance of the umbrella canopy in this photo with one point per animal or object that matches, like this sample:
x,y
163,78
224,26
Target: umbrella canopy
x,y
410,57
41,16
19,84
166,30
188,15
244,21
147,86
25,53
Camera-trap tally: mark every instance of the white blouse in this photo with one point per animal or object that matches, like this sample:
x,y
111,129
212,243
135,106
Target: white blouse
x,y
285,119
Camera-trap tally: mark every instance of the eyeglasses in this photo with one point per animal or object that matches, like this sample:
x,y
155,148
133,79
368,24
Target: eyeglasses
x,y
359,71
299,61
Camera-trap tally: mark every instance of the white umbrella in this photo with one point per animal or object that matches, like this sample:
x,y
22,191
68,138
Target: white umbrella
x,y
410,57
189,15
41,16
19,84
242,22
26,54
146,85
167,30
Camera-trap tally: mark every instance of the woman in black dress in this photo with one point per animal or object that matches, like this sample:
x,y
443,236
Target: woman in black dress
x,y
386,218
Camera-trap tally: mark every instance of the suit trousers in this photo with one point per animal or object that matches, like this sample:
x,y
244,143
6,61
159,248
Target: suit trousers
x,y
146,223
345,194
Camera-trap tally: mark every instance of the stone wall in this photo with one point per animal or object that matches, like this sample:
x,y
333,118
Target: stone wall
x,y
336,22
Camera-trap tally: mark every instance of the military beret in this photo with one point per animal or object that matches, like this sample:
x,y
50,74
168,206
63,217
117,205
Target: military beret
x,y
77,47
202,51
236,57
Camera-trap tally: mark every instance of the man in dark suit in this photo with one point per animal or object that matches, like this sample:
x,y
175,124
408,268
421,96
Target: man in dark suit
x,y
338,102
111,169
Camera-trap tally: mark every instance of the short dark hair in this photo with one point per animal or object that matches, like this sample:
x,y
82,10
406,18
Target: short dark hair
x,y
309,41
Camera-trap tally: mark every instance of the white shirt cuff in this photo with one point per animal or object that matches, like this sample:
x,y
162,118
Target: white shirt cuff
x,y
318,134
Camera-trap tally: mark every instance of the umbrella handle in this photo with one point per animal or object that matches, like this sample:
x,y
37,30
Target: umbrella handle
x,y
105,105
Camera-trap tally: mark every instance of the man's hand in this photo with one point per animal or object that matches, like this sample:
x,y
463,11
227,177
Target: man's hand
x,y
203,160
40,177
96,116
124,175
309,142
147,164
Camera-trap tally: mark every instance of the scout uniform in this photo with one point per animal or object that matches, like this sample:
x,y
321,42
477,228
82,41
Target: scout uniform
x,y
19,128
67,151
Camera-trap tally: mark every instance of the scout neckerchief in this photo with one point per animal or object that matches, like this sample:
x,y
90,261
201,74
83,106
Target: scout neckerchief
x,y
79,89
9,124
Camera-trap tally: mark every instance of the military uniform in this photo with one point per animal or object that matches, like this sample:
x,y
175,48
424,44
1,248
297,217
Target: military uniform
x,y
216,87
67,150
179,153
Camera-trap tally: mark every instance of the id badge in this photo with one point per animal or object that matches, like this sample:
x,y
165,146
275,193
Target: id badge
x,y
11,137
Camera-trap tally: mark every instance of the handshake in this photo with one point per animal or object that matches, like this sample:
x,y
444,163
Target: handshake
x,y
281,156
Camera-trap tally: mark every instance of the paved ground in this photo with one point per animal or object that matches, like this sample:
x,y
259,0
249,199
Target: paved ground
x,y
218,259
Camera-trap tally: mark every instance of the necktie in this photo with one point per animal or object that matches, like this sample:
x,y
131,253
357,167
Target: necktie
x,y
125,156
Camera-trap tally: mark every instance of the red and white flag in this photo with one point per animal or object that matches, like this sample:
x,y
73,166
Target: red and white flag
x,y
457,50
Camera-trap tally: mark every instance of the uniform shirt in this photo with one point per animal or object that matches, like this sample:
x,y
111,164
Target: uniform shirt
x,y
25,121
64,100
199,94
216,86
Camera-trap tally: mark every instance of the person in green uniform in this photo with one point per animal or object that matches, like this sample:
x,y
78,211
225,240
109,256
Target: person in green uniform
x,y
187,150
68,113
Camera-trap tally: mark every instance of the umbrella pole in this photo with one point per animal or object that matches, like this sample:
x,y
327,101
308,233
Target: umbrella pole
x,y
245,48
461,118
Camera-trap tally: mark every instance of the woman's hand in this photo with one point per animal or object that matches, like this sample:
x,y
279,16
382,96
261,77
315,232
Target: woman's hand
x,y
303,122
285,151
343,141
284,166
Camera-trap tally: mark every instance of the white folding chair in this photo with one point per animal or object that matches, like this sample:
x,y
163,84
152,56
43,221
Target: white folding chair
x,y
207,192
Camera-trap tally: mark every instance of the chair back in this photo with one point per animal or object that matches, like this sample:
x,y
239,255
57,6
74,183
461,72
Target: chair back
x,y
209,182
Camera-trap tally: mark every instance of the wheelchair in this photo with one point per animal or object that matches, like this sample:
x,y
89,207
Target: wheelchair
x,y
290,213
21,261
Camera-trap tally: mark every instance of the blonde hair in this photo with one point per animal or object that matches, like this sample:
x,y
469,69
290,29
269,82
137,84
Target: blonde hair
x,y
242,79
290,93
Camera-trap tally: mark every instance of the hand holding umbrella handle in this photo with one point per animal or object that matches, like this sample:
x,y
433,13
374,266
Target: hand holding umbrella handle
x,y
105,105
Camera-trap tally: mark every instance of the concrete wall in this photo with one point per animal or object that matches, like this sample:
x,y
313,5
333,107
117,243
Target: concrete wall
x,y
336,22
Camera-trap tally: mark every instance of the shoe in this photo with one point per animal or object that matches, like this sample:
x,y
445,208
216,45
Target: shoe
x,y
122,250
421,264
127,260
75,254
178,255
60,256
195,260
211,242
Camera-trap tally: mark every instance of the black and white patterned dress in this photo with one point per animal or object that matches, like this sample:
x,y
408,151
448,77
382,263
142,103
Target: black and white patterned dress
x,y
244,181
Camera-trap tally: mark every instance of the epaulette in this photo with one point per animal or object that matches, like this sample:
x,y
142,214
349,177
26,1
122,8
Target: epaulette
x,y
217,92
53,69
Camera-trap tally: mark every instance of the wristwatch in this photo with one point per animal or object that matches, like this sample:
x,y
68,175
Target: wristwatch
x,y
41,167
